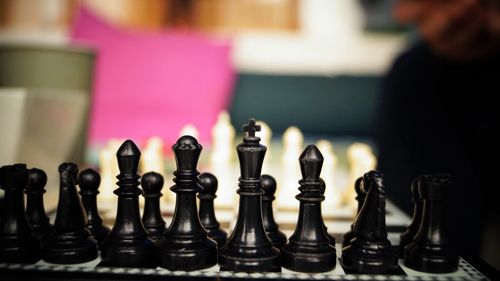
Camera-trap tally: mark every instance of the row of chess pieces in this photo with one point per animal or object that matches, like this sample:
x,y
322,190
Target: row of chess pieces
x,y
280,161
194,239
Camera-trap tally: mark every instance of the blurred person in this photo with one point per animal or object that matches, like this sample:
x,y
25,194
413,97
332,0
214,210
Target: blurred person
x,y
437,114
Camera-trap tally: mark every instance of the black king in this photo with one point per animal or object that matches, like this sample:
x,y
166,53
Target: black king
x,y
248,248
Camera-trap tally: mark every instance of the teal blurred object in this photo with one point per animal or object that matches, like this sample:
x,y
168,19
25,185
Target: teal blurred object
x,y
49,81
334,106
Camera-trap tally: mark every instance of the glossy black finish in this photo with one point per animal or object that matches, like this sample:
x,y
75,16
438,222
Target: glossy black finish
x,y
370,252
278,238
89,181
309,248
35,209
360,197
186,245
431,251
128,245
17,243
207,213
152,183
71,242
248,248
418,206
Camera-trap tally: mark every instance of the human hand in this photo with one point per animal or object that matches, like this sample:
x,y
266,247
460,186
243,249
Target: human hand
x,y
456,29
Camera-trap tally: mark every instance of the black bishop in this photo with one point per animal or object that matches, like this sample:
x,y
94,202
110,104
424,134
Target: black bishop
x,y
309,248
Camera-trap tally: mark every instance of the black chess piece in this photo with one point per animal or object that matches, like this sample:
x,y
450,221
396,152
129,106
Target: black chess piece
x,y
418,205
430,250
71,242
186,245
309,248
152,183
360,197
35,209
89,181
248,248
330,237
207,212
369,252
278,238
17,243
128,245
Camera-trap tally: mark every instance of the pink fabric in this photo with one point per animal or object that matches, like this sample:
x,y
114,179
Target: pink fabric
x,y
152,84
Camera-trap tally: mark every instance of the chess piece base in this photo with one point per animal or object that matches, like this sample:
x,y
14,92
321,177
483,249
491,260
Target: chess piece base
x,y
308,259
69,252
19,251
131,253
369,257
233,260
430,259
187,257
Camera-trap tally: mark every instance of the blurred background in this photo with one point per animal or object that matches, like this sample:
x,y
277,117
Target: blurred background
x,y
76,76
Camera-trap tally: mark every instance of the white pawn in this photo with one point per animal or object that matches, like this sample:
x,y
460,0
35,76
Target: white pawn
x,y
293,142
360,159
328,173
189,130
221,161
152,158
266,136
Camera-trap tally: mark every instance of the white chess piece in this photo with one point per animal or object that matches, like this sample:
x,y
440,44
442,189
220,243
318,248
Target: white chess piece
x,y
328,172
293,143
266,136
108,177
221,161
361,159
189,130
152,158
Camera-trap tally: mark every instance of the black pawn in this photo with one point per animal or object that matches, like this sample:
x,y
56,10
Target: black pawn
x,y
89,181
369,252
71,242
128,245
360,197
248,248
278,238
309,248
418,206
207,212
17,243
35,209
330,237
186,245
152,183
430,250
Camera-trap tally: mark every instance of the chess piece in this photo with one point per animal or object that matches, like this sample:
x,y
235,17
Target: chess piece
x,y
248,248
89,181
309,248
152,183
186,245
189,130
35,209
266,136
71,242
207,213
278,238
128,245
369,252
330,237
360,197
17,243
332,194
360,158
293,142
430,250
418,204
152,159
